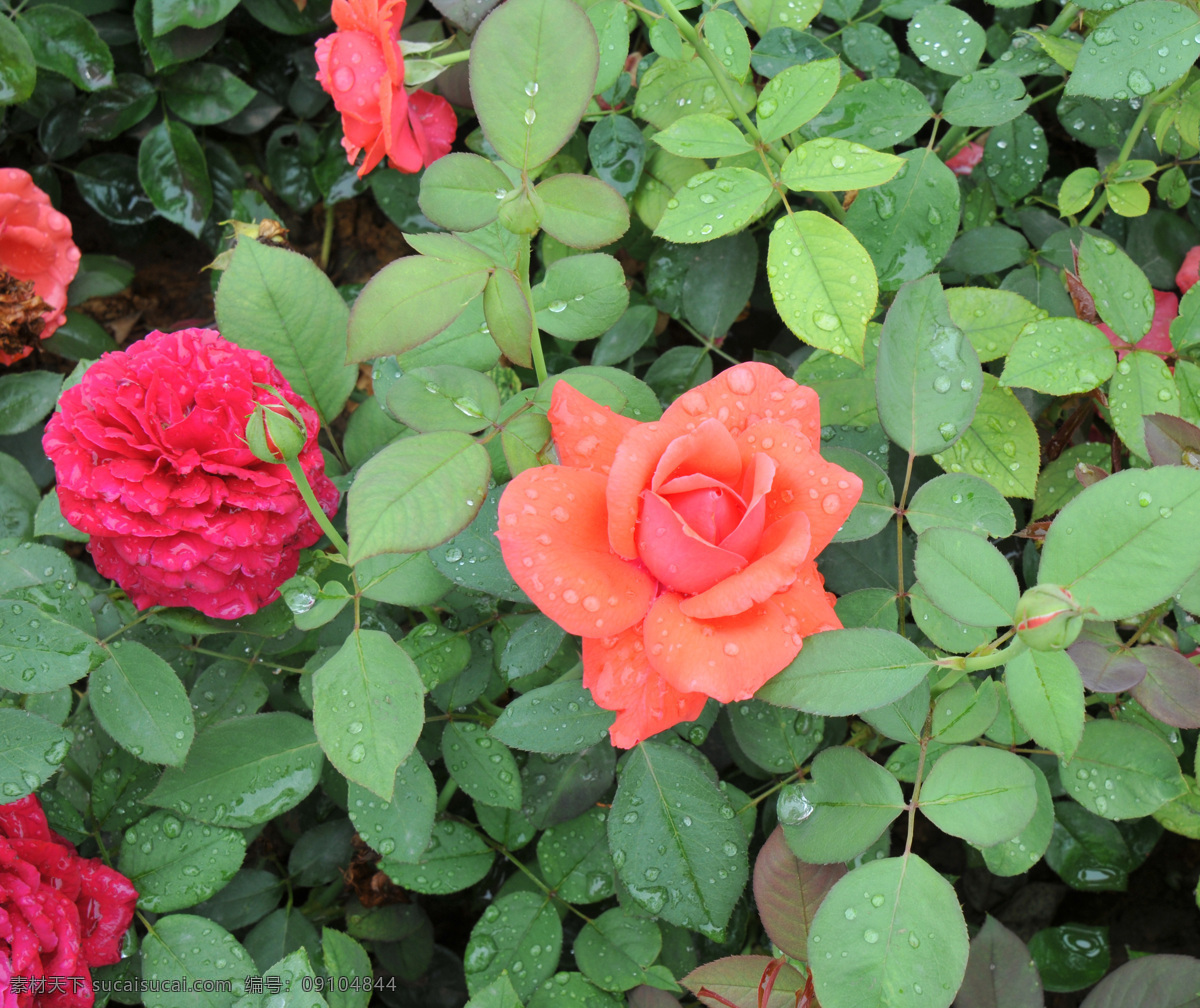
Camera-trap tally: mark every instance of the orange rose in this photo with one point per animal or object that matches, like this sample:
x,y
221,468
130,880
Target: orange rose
x,y
681,551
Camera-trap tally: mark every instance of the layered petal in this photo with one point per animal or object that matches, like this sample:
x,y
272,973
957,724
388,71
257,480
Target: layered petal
x,y
748,393
620,678
554,541
586,434
727,658
681,560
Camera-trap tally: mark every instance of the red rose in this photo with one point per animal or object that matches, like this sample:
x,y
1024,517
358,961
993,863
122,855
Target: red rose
x,y
1158,339
964,162
1189,270
60,914
682,551
151,462
362,67
35,246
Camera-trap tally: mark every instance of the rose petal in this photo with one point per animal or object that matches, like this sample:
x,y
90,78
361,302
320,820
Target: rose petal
x,y
785,546
553,537
727,658
746,538
1158,339
1189,270
586,434
807,604
804,481
709,449
681,560
615,669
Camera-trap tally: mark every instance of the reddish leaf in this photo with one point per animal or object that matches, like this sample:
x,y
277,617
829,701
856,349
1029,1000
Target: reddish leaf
x,y
1104,669
1171,689
788,892
1154,981
651,997
733,982
1000,972
1172,441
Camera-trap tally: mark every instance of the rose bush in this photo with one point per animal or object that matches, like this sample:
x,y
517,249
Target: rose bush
x,y
362,68
681,551
151,462
35,247
60,914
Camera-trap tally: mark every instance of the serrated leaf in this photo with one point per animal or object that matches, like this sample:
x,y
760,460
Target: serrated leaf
x,y
1121,771
1046,693
1001,445
714,203
176,863
985,796
1059,356
141,703
794,96
829,165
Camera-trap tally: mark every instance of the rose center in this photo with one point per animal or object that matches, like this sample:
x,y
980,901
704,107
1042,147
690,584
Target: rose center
x,y
711,512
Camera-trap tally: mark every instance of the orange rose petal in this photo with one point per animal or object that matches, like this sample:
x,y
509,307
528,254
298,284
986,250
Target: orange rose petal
x,y
632,468
808,604
615,669
727,658
586,434
748,393
746,537
804,481
709,450
785,546
674,554
554,540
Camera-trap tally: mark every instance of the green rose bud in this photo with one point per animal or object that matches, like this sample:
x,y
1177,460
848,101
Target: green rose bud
x,y
1048,618
273,437
521,212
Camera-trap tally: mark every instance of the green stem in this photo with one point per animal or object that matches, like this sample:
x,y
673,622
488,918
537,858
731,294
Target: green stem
x,y
449,59
983,662
327,238
1065,17
449,789
524,255
310,499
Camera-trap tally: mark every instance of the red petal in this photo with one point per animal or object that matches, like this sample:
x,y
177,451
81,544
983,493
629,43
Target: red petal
x,y
728,658
804,481
674,554
553,537
1189,270
586,434
615,669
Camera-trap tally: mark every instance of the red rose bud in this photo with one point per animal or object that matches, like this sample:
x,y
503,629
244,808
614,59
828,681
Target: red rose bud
x,y
273,437
1048,618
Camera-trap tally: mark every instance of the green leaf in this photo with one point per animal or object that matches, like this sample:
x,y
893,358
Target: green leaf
x,y
409,301
280,303
205,93
533,68
368,709
837,669
472,558
251,895
960,501
190,952
42,650
822,282
244,771
18,71
498,994
987,97
906,927
764,15
1059,356
617,948
1000,972
173,172
559,718
481,765
1121,291
444,397
26,398
985,796
64,41
459,191
617,152
909,223
176,863
990,249
1045,690
456,858
416,493
946,40
1018,855
1001,445
1137,50
966,577
714,203
928,378
963,713
171,14
829,165
1142,385
508,316
1121,546
581,211
1057,483
1122,771
608,18
581,296
992,319
294,972
849,801
109,184
1088,852
401,827
793,97
671,89
33,750
344,957
703,135
877,505
574,858
665,801
520,936
775,738
1077,190
141,703
876,113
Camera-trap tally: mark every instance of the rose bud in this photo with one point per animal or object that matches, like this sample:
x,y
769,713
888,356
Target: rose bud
x,y
273,437
1048,618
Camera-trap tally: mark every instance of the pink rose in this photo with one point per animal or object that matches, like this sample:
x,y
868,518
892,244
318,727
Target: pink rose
x,y
151,462
60,914
362,67
35,247
966,159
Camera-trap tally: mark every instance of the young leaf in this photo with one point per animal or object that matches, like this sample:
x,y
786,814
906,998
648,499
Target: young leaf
x,y
1046,693
787,892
